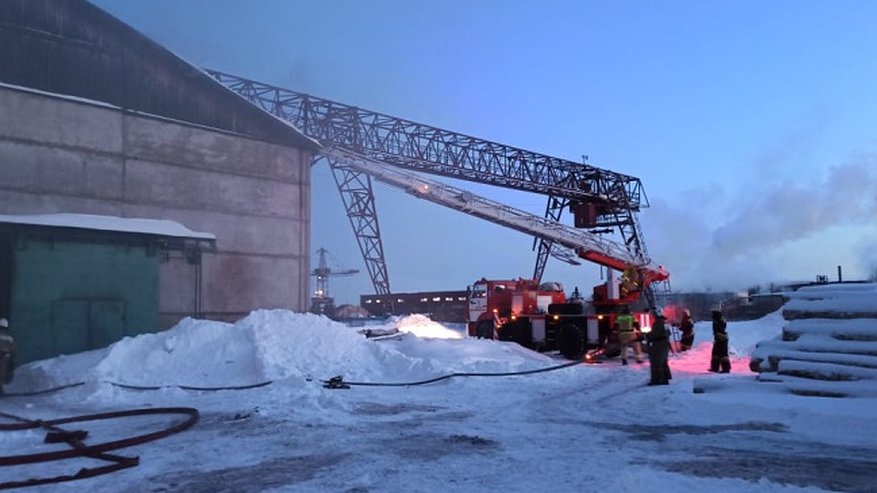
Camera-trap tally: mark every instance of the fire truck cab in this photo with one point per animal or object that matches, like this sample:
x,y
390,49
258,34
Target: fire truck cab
x,y
495,303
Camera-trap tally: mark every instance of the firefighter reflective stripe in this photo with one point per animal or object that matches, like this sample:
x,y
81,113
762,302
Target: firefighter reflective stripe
x,y
625,323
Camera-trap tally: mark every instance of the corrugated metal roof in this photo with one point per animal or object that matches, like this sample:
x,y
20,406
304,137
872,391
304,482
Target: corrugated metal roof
x,y
71,47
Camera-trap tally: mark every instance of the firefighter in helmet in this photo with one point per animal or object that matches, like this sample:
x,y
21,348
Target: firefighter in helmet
x,y
720,361
659,350
7,354
629,281
687,328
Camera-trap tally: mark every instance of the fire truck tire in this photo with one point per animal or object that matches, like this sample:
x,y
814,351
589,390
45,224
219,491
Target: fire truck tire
x,y
571,341
484,329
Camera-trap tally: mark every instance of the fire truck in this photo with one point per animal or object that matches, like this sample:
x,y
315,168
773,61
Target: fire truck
x,y
542,317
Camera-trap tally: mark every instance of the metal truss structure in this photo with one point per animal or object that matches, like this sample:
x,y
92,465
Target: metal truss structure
x,y
612,198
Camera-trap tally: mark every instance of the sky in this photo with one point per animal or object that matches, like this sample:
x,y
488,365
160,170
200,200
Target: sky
x,y
749,123
583,425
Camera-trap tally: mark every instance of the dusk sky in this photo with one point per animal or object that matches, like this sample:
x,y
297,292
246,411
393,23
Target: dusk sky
x,y
752,124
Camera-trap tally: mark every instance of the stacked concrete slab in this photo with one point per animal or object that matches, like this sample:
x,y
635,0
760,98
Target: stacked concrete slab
x,y
828,346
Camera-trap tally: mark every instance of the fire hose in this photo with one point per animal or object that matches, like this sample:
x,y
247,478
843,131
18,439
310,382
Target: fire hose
x,y
75,439
339,383
139,387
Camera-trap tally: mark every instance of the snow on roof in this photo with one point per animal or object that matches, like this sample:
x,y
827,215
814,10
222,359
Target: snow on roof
x,y
57,95
157,227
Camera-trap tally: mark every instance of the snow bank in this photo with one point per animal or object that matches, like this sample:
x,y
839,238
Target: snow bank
x,y
423,326
278,345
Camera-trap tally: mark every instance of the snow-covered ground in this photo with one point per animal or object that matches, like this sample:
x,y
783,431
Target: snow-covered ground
x,y
584,428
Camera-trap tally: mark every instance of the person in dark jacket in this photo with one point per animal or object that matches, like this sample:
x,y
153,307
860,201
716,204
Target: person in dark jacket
x,y
7,354
686,326
659,350
720,361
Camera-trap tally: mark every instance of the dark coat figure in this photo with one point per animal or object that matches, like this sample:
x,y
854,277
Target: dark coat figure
x,y
659,350
720,361
7,354
686,326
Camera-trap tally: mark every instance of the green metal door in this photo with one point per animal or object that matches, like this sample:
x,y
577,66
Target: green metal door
x,y
71,296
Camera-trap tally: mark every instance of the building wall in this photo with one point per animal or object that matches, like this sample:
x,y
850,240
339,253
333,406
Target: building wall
x,y
64,155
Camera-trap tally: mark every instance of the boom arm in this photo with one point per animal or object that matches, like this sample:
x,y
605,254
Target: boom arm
x,y
584,244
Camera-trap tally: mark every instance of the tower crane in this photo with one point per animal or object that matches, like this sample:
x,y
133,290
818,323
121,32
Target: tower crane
x,y
321,302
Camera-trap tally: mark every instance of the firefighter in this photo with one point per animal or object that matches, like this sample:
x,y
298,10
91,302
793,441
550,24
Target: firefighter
x,y
687,328
659,350
629,281
7,354
628,337
720,361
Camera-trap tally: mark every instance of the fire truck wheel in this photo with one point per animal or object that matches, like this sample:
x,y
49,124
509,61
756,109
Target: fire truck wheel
x,y
571,341
484,330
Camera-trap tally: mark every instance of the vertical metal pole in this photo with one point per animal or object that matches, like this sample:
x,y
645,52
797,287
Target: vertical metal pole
x,y
198,286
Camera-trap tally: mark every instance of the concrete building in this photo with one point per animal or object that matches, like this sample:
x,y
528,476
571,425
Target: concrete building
x,y
95,118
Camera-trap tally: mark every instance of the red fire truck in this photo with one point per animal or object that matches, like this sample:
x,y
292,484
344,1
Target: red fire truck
x,y
541,317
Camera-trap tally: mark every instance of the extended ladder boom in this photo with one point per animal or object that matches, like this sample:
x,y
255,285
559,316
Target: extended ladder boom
x,y
585,245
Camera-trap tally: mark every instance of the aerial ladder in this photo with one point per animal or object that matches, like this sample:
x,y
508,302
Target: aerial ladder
x,y
600,200
570,243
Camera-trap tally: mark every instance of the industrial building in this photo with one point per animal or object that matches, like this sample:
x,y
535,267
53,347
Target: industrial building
x,y
441,306
99,121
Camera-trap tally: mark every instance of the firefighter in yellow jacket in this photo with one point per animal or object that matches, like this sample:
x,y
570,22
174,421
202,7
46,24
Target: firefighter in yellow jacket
x,y
628,336
7,354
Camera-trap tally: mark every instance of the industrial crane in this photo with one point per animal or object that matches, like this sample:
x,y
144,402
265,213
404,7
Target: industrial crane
x,y
600,200
321,302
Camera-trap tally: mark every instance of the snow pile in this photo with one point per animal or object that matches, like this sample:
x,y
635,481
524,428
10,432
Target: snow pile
x,y
423,326
194,352
278,345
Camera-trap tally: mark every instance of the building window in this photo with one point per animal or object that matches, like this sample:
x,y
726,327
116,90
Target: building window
x,y
424,300
437,298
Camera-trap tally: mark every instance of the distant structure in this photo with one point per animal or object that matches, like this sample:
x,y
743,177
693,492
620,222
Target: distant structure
x,y
441,306
321,302
98,119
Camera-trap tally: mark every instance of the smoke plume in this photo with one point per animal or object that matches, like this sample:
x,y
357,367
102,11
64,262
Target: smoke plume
x,y
759,239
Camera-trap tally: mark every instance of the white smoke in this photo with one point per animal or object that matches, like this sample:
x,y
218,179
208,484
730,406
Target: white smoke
x,y
791,211
752,246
